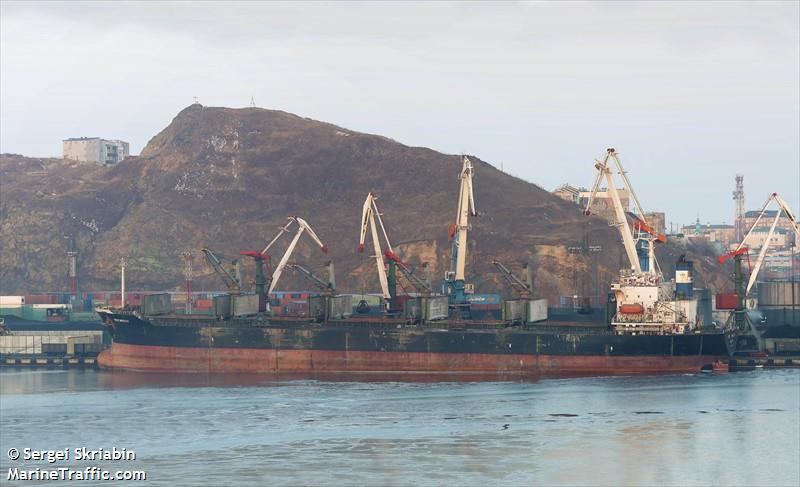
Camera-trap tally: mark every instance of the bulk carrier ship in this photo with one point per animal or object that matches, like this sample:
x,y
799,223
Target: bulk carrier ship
x,y
650,326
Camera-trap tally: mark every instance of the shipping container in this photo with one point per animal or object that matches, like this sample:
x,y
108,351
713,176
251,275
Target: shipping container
x,y
297,308
41,299
727,300
12,300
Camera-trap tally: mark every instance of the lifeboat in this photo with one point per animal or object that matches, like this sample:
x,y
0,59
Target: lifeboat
x,y
631,309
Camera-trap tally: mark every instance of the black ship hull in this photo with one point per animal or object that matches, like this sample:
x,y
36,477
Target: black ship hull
x,y
353,348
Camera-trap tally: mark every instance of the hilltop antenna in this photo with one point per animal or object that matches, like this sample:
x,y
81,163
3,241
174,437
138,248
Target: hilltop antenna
x,y
252,102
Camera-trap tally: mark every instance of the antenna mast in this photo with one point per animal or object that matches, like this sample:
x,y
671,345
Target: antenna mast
x,y
738,197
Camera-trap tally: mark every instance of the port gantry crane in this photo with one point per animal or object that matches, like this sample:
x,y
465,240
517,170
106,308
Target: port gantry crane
x,y
387,259
369,213
783,208
644,262
302,227
743,291
454,283
232,280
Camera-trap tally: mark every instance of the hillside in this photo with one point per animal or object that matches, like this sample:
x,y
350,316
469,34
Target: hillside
x,y
227,178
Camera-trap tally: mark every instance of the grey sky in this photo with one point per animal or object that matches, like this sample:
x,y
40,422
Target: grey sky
x,y
689,93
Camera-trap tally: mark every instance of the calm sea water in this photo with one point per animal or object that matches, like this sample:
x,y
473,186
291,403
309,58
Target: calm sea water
x,y
734,429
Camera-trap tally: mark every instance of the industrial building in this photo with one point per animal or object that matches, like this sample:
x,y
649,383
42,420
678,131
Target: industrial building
x,y
95,149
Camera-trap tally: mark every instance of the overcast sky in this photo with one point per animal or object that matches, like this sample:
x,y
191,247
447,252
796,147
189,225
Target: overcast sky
x,y
689,93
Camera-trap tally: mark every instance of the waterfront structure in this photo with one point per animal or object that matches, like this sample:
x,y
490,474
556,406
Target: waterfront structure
x,y
97,150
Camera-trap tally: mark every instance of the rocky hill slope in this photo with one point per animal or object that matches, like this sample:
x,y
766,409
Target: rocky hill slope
x,y
227,178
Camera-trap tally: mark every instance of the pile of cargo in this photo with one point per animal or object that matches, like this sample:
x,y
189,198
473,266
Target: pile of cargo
x,y
289,304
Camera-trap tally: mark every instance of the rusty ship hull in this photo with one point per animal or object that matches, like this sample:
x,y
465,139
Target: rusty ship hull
x,y
353,349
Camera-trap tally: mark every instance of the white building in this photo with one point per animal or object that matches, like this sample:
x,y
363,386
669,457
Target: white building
x,y
95,149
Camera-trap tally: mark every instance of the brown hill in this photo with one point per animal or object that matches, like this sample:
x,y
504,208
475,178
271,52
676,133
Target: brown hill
x,y
227,178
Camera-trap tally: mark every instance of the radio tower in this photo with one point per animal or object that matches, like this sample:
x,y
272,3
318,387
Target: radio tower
x,y
738,197
187,272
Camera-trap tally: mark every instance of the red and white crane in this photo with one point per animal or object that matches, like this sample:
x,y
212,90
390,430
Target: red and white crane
x,y
302,227
784,209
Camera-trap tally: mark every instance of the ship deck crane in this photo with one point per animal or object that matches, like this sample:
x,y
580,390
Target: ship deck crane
x,y
232,280
454,280
302,227
328,287
783,208
645,232
523,288
421,284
